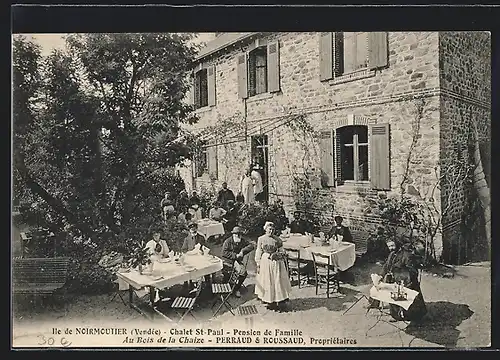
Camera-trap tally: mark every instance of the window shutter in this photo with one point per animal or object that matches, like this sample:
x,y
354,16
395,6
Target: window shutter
x,y
211,85
378,55
338,160
338,54
212,160
191,89
380,175
273,67
242,76
327,158
325,56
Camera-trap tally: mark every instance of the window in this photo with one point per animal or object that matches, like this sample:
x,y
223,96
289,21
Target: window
x,y
206,160
344,53
356,154
204,87
201,88
353,143
201,160
257,71
355,51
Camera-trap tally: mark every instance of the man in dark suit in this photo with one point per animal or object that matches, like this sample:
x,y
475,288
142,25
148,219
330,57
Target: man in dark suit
x,y
193,238
225,195
236,248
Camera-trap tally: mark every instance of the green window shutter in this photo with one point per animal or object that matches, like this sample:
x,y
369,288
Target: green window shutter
x,y
338,54
325,56
378,55
211,85
327,158
242,76
273,67
338,159
380,175
212,160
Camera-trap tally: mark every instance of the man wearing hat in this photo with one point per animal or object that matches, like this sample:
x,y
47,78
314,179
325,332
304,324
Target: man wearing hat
x,y
193,238
236,248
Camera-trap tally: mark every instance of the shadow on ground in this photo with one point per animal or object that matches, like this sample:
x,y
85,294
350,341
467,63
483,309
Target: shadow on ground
x,y
440,324
336,302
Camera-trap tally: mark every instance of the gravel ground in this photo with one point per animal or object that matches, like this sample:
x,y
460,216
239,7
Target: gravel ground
x,y
459,312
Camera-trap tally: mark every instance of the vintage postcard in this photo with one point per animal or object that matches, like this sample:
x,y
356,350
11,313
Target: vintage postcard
x,y
251,189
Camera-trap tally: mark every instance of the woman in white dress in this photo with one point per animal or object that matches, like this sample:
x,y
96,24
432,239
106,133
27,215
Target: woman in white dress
x,y
247,188
272,284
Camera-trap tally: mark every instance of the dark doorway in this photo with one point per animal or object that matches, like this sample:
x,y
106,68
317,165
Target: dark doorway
x,y
260,157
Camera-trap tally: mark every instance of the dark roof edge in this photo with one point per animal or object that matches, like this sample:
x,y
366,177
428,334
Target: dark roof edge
x,y
223,46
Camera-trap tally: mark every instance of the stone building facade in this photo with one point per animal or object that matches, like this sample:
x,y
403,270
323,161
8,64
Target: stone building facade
x,y
362,114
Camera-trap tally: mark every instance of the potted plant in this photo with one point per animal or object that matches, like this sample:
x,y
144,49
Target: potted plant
x,y
139,258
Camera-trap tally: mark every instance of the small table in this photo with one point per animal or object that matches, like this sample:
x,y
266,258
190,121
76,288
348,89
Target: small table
x,y
207,228
342,257
382,293
166,274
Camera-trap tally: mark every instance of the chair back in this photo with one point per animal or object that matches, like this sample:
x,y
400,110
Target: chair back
x,y
197,289
235,274
316,256
291,254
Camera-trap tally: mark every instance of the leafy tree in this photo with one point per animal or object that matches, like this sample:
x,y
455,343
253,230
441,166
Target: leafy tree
x,y
96,132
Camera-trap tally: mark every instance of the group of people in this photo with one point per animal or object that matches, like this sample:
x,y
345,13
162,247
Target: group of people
x,y
252,186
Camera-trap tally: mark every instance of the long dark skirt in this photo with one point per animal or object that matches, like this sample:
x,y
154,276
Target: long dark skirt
x,y
415,312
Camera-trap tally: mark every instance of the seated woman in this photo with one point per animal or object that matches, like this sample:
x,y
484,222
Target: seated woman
x,y
196,213
156,246
340,230
376,247
402,265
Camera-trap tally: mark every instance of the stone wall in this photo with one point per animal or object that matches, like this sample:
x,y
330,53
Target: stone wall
x,y
384,96
465,78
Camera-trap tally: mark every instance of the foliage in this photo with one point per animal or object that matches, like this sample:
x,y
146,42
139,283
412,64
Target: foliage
x,y
96,140
174,234
253,217
207,196
139,256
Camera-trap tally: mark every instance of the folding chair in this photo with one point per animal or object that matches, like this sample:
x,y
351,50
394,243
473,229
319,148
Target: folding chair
x,y
295,266
325,273
224,290
184,305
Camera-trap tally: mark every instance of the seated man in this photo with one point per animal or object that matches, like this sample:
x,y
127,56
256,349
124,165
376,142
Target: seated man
x,y
156,246
299,225
376,247
231,216
217,212
193,238
236,248
339,229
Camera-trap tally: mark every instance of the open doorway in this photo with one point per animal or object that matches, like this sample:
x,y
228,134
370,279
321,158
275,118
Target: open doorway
x,y
259,162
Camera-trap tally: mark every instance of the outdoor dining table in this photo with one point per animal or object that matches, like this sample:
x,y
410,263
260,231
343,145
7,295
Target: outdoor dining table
x,y
168,273
342,257
207,228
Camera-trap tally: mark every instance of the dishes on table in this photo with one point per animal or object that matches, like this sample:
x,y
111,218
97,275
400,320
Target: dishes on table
x,y
164,260
189,268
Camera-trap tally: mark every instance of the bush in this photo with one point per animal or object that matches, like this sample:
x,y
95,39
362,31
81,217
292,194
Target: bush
x,y
253,217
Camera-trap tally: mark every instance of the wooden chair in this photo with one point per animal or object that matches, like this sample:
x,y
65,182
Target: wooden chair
x,y
223,291
184,305
295,266
325,272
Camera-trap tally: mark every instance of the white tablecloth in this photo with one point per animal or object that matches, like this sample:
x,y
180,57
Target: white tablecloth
x,y
383,293
342,257
209,228
169,274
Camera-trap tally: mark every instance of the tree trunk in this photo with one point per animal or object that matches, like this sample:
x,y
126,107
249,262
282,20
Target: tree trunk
x,y
482,189
53,202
